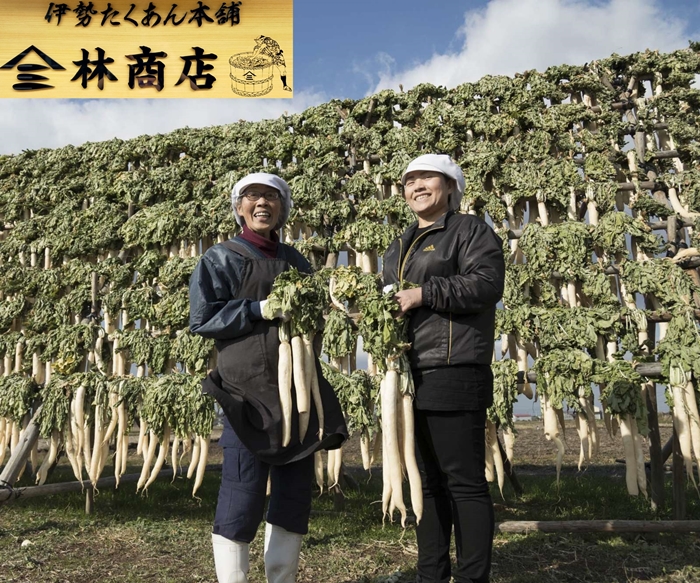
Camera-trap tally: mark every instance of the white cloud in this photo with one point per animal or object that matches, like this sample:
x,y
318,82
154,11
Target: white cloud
x,y
39,123
509,36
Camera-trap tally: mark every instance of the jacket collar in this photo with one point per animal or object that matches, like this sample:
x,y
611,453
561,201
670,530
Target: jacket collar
x,y
410,232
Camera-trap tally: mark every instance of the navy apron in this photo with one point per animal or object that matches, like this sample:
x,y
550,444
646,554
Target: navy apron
x,y
245,380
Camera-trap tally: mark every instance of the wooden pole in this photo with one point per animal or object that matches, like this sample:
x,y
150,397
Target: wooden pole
x,y
678,480
656,460
22,452
12,494
595,526
89,500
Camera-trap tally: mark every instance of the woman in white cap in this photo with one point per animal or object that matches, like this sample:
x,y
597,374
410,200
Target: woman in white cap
x,y
457,260
228,290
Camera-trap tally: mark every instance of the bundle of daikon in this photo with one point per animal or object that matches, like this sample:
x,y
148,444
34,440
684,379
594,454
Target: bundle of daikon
x,y
500,414
75,411
669,288
384,338
17,392
357,394
301,297
679,350
175,407
620,391
565,375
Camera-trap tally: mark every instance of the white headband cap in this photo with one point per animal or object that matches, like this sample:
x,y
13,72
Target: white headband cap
x,y
440,163
268,180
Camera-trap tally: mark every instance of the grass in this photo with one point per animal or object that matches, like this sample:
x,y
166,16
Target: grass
x,y
165,537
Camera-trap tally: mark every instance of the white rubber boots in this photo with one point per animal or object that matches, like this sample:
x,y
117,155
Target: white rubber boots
x,y
281,557
281,554
230,559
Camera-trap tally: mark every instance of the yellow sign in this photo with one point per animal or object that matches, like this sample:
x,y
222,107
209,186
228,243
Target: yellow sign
x,y
144,48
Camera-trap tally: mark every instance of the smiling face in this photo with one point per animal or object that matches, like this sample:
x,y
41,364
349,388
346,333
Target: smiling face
x,y
427,192
261,215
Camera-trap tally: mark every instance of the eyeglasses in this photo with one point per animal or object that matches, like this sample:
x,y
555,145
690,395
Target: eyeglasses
x,y
256,196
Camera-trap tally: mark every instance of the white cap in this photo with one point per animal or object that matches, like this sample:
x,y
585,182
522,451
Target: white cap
x,y
268,180
440,163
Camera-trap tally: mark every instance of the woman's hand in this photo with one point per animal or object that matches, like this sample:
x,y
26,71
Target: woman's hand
x,y
408,299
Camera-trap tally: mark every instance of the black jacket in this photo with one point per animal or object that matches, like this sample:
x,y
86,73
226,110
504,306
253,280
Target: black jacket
x,y
459,263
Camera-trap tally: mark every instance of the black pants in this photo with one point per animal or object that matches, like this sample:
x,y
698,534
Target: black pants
x,y
450,450
241,503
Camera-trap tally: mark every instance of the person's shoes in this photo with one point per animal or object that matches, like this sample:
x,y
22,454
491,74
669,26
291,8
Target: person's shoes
x,y
230,559
281,554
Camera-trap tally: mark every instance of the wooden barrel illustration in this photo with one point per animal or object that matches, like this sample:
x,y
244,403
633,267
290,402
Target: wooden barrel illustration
x,y
251,75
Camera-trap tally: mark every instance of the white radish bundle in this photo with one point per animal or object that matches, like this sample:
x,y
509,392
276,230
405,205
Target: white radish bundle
x,y
17,395
564,376
624,399
175,407
398,441
679,350
301,298
357,394
505,394
493,454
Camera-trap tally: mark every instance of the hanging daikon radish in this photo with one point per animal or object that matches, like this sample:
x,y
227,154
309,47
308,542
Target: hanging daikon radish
x,y
551,429
318,470
492,445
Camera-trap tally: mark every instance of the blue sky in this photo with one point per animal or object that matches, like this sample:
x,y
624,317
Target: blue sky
x,y
339,45
351,49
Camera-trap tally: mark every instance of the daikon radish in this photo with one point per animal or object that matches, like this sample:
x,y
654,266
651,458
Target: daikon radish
x,y
69,445
318,470
79,413
409,451
312,375
391,453
630,455
3,434
54,443
284,373
551,430
489,469
302,390
173,456
162,455
386,477
143,431
492,442
330,468
194,458
364,450
147,460
508,442
97,446
202,464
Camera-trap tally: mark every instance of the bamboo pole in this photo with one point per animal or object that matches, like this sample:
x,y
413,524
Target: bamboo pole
x,y
18,458
678,479
597,526
8,495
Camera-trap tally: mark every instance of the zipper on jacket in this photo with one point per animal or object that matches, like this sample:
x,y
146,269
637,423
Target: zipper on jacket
x,y
408,253
449,342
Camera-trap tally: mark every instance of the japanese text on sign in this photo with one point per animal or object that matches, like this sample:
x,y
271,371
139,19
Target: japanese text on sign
x,y
231,48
